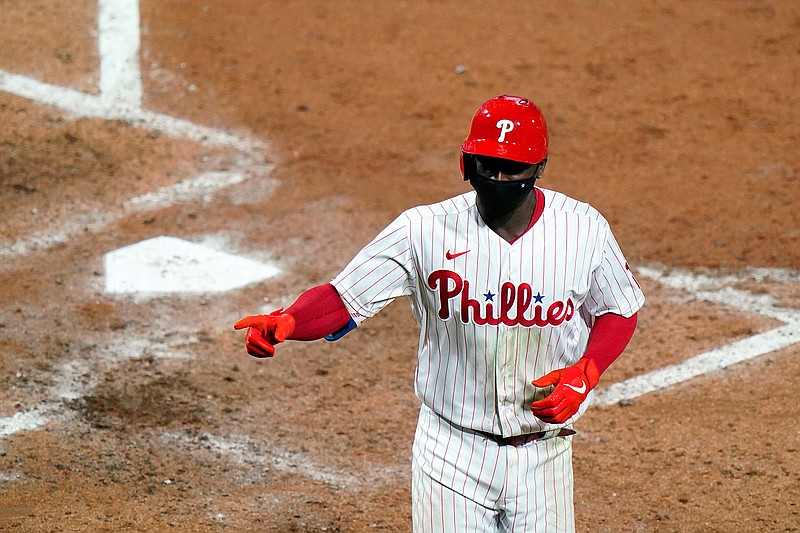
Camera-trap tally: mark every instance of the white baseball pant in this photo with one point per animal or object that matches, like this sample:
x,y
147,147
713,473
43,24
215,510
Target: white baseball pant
x,y
463,482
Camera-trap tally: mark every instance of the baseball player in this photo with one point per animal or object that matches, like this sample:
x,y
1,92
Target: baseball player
x,y
523,299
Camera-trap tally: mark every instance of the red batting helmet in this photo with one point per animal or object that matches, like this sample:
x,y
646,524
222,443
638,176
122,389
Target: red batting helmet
x,y
508,127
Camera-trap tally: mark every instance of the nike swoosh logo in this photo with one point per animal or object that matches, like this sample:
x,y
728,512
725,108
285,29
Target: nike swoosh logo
x,y
450,255
579,390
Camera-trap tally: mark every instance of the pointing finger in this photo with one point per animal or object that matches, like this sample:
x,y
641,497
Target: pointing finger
x,y
247,322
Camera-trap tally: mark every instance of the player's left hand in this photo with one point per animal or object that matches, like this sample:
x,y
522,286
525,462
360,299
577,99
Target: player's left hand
x,y
572,385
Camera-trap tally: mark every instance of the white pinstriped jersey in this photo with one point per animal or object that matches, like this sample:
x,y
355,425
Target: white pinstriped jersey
x,y
493,315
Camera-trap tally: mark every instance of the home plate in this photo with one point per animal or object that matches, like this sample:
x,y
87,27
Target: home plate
x,y
170,265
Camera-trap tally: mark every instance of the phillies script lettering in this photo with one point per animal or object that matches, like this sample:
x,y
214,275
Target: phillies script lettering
x,y
513,305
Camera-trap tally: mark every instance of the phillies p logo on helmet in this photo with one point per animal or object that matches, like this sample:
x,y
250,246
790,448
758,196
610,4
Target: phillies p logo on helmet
x,y
505,126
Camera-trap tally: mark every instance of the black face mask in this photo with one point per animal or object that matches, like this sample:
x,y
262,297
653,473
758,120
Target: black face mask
x,y
498,199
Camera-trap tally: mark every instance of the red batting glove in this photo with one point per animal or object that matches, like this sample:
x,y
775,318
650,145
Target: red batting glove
x,y
572,386
265,331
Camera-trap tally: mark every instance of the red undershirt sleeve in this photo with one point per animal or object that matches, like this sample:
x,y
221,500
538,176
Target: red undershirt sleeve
x,y
609,337
318,312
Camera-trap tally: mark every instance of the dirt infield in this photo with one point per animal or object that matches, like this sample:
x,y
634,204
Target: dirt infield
x,y
679,121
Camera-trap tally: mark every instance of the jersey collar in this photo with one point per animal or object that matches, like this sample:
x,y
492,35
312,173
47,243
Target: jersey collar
x,y
537,212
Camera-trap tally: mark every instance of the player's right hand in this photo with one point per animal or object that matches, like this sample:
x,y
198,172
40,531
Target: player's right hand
x,y
265,331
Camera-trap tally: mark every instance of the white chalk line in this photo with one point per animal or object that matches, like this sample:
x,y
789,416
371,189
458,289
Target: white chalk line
x,y
201,187
85,223
24,421
118,43
708,288
107,107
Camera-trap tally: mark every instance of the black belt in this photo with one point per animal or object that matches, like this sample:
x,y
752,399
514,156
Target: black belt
x,y
519,440
515,440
